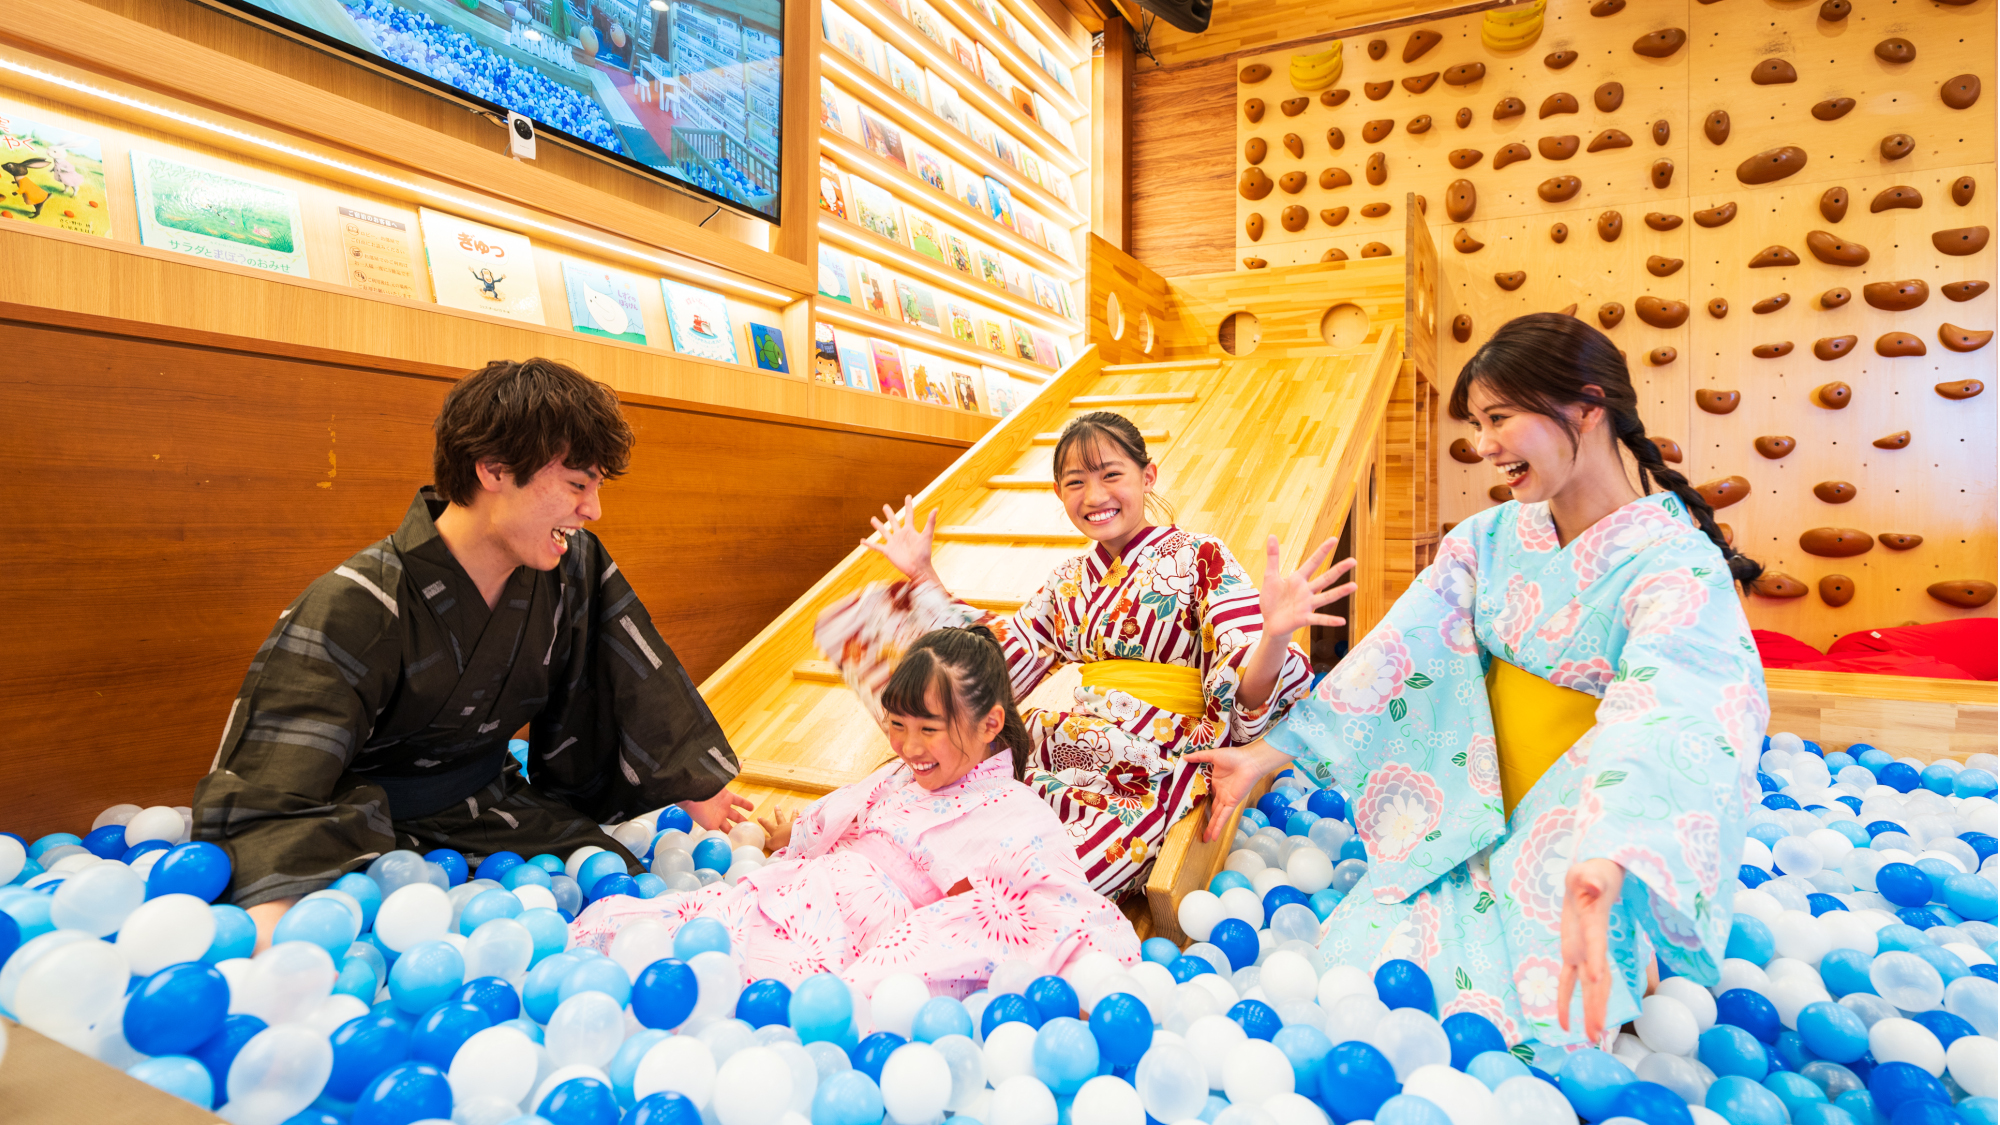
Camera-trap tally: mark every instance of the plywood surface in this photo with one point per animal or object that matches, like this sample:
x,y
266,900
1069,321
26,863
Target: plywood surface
x,y
1906,716
46,1083
1182,177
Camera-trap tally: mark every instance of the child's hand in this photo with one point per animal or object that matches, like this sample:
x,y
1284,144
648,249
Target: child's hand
x,y
778,828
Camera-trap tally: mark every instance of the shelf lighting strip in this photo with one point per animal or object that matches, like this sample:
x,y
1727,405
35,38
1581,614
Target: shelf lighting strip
x,y
443,198
882,326
1015,56
933,52
860,240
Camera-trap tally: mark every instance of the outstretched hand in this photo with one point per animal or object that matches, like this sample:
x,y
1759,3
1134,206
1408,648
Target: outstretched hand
x,y
1233,772
778,828
1290,601
1589,890
719,813
907,547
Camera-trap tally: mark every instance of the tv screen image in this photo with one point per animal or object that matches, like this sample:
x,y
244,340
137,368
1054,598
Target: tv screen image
x,y
686,89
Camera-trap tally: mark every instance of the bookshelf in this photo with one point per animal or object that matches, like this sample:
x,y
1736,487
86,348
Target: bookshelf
x,y
953,193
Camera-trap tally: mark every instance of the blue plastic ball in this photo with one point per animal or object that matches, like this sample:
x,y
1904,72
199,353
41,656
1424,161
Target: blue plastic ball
x,y
1926,1113
1052,996
176,1009
1494,1067
219,1052
1728,1049
1185,968
1065,1055
1471,1035
1354,848
1972,896
10,936
1223,881
494,996
1354,1082
1795,1090
1947,1027
1893,1084
1790,1051
1833,1032
1751,940
1158,950
1749,1010
178,1075
130,854
1306,1048
440,1032
663,997
1123,1028
1323,902
365,891
1741,1101
764,1003
1301,822
713,854
1591,1080
598,866
597,974
497,865
616,883
1237,941
1405,984
1275,806
1651,1103
549,931
1821,903
1973,783
455,868
1327,802
425,975
525,875
404,1093
486,906
941,1016
1281,895
1752,876
42,844
196,868
672,817
364,1047
821,1008
1008,1008
580,1101
1410,1109
1258,1019
869,1055
107,842
663,1108
847,1098
324,922
1900,776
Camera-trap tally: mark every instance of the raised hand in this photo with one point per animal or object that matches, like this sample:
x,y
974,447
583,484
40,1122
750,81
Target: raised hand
x,y
1233,772
1589,890
1291,600
778,828
718,813
907,547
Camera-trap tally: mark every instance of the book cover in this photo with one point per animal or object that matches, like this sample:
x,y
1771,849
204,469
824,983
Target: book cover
x,y
1033,168
848,35
966,56
993,334
603,303
906,301
1003,147
881,138
960,315
1029,225
855,366
969,186
990,269
767,347
925,19
904,74
1000,203
1044,290
832,199
888,368
1002,396
965,386
927,313
826,355
991,70
1046,352
1016,276
58,177
924,237
833,265
1023,101
830,115
957,254
1024,341
877,210
699,321
979,129
376,253
875,286
481,268
214,215
945,100
928,165
926,378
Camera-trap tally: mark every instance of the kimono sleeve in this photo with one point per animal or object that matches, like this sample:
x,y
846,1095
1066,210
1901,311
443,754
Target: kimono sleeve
x,y
625,730
274,799
1672,757
1232,624
866,635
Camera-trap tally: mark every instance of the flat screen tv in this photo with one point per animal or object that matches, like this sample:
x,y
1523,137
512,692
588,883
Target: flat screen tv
x,y
688,90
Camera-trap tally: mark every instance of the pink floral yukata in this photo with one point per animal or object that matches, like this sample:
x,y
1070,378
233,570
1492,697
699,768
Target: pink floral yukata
x,y
883,876
1638,611
1111,765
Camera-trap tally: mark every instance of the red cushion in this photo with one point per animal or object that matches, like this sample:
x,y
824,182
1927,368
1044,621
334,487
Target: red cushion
x,y
1968,643
1779,650
1887,664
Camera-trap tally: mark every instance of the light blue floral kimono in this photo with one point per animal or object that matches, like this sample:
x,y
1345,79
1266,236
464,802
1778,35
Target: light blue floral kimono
x,y
1639,611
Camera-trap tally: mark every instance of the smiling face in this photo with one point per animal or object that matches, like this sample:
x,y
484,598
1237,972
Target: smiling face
x,y
1107,503
532,523
935,753
1532,452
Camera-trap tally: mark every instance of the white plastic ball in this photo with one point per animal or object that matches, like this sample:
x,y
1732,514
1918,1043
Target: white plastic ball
x,y
1265,881
895,1002
167,930
1105,1100
1340,982
1022,1100
1243,903
1253,1071
414,914
1463,1098
574,862
1738,973
1791,995
1010,1052
1907,981
1199,912
277,1073
1211,1038
1846,930
1974,1000
285,982
1665,1024
1699,1002
1410,1039
586,1029
1527,1100
1310,869
721,982
97,899
753,1088
497,1062
157,823
1683,1076
1355,1017
1973,1061
916,1084
679,1063
1286,976
1757,903
1795,856
1294,1109
1755,854
1243,861
1171,1082
71,987
1294,922
1798,935
1900,1040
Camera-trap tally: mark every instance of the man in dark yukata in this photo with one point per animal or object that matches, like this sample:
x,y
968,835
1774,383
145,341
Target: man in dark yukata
x,y
377,714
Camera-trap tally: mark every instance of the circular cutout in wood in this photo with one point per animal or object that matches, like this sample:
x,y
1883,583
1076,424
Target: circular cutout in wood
x,y
1898,440
1239,333
1146,337
1463,453
1344,326
1836,542
1774,446
1836,590
1114,316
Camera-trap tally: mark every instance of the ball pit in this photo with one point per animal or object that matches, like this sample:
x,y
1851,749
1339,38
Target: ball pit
x,y
1860,989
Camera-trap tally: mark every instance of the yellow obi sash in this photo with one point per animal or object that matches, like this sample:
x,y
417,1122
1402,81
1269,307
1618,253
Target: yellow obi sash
x,y
1170,687
1535,722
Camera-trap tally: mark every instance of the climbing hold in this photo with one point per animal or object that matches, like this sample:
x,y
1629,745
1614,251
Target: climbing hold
x,y
1661,356
1960,92
1716,126
1254,150
1772,165
1833,11
1661,131
1660,312
1610,138
1375,131
1376,91
1607,8
1254,226
1774,256
1835,542
1419,124
1833,347
1608,97
1292,183
1832,109
1461,330
1463,158
1254,263
1336,254
1895,197
1254,73
1295,146
1464,74
1294,218
1556,189
1900,541
1965,593
1610,225
1462,452
1464,116
1500,494
1510,280
1253,184
1509,107
1834,491
1724,491
1895,344
1896,51
1959,339
1460,200
1376,250
1378,169
1558,148
1717,402
1834,396
1662,222
1961,240
1556,60
1962,189
1896,296
1772,351
1963,389
1610,313
1777,584
1254,110
1377,48
1560,231
1773,72
1898,440
1420,40
1718,307
1510,154
1771,304
1670,450
1335,139
1833,204
1374,210
1292,107
1834,298
1774,446
1335,97
1715,216
1333,216
1963,290
1418,83
1835,250
1660,44
1334,178
1836,590
1896,146
1662,267
1663,173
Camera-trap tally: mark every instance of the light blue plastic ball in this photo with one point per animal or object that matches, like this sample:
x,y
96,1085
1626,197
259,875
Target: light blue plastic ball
x,y
701,935
486,906
1159,950
1741,1101
235,934
598,866
713,854
599,974
549,931
1224,880
366,891
1495,1067
821,1009
1065,1055
426,975
1410,1109
847,1098
1591,1080
324,922
941,1016
178,1075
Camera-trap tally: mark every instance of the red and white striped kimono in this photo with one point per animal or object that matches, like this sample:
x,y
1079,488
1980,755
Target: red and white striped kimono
x,y
1110,764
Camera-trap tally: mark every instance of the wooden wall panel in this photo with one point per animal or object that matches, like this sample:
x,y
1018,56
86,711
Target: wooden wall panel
x,y
194,484
1182,163
1290,303
1240,26
1143,300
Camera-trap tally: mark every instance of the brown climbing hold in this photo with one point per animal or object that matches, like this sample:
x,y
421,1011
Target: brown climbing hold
x,y
1898,440
1715,216
1774,256
1463,158
1663,173
1333,216
1294,145
1964,290
1334,255
1834,491
1609,97
1510,154
1419,124
1661,356
1836,590
1833,204
1294,218
1292,107
1960,92
1670,450
1607,8
1254,226
1464,117
1772,165
1378,168
1836,251
1464,74
1833,347
1724,491
1509,107
1253,185
1610,313
1610,138
1660,266
1335,178
1899,541
1254,263
1774,446
1961,240
1610,225
1896,296
1374,132
1558,148
1556,60
1335,139
1718,307
1418,83
1420,40
1374,210
1460,200
1835,297
1833,396
1896,51
1254,110
1959,339
1558,103
1662,222
1376,250
1962,189
1500,494
1661,131
1832,109
1777,584
1771,304
1716,126
1773,72
1461,329
1717,402
1511,280
1660,312
1833,11
1836,542
1556,189
1963,389
1965,593
1895,197
1331,98
1896,146
1558,233
1461,449
1377,48
1772,351
1254,73
1893,344
1660,44
1254,150
1376,91
1292,183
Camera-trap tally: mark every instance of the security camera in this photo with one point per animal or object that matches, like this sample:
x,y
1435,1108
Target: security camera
x,y
521,136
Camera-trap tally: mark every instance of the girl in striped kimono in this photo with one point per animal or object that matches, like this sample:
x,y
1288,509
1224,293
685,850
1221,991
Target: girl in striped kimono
x,y
1179,651
1552,737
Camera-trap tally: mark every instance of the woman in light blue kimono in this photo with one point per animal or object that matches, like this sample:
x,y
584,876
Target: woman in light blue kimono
x,y
1552,736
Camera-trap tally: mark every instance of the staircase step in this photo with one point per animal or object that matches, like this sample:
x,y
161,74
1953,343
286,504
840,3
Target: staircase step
x,y
964,534
1027,482
802,779
1151,398
1153,437
1170,365
816,671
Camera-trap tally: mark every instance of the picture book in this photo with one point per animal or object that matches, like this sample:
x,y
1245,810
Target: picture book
x,y
58,177
1052,122
1044,290
1000,202
855,366
985,9
906,301
376,253
1001,393
877,210
904,74
979,129
213,215
881,138
826,355
969,186
603,303
993,334
960,315
924,237
927,164
480,268
832,199
927,377
964,385
966,56
1003,147
1016,276
957,254
926,19
1046,352
1024,342
1029,225
1023,101
830,109
833,266
875,286
888,368
767,347
990,269
1033,168
927,313
945,101
699,321
847,34
991,69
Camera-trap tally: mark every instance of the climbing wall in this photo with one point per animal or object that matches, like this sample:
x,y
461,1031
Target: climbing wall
x,y
1662,168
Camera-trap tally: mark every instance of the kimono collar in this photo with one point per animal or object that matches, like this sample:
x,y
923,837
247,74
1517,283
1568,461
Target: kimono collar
x,y
997,769
1653,517
418,536
1102,559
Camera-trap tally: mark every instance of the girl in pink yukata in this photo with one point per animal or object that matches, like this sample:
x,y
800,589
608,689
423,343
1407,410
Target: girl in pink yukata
x,y
941,863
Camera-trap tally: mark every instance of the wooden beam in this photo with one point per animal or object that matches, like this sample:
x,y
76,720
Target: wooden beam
x,y
1111,135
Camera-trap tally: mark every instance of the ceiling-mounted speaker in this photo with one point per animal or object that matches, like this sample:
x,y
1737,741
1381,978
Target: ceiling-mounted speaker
x,y
1190,16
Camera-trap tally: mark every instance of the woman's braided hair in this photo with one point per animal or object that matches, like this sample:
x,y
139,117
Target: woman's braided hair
x,y
969,671
1545,362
